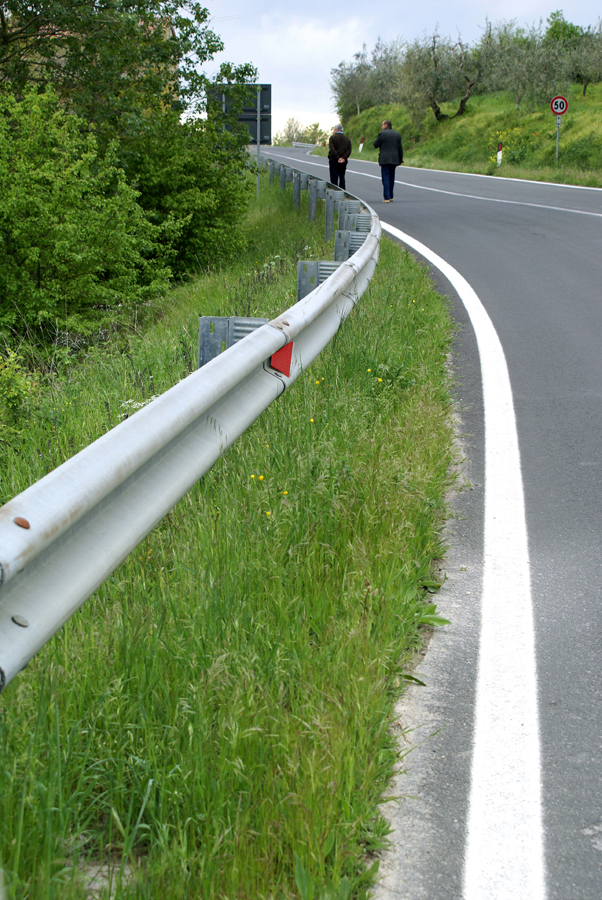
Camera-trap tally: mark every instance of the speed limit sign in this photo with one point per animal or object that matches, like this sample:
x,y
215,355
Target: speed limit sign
x,y
559,105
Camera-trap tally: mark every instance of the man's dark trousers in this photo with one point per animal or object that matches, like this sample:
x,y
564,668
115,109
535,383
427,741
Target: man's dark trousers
x,y
337,172
388,177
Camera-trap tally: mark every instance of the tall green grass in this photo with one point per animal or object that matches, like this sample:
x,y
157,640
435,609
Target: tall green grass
x,y
469,143
216,721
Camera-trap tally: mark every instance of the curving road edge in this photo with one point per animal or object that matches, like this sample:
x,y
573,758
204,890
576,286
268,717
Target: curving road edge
x,y
504,842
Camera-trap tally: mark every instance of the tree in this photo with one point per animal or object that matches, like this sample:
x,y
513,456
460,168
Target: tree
x,y
194,174
437,70
525,64
76,247
107,59
561,31
295,131
582,48
292,131
130,69
586,58
351,86
313,134
386,71
115,63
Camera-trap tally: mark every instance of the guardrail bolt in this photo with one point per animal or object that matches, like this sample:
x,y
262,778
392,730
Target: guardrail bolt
x,y
20,620
21,522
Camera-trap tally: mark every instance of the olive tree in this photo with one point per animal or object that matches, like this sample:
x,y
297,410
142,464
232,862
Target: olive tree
x,y
581,48
525,64
438,70
351,86
586,58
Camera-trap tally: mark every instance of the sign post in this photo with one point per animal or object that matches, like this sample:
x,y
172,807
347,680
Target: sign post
x,y
559,106
258,133
255,113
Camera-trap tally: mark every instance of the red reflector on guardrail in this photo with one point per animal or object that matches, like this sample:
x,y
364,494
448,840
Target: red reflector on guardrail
x,y
281,360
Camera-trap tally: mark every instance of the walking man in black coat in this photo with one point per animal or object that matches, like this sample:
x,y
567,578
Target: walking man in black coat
x,y
390,155
339,151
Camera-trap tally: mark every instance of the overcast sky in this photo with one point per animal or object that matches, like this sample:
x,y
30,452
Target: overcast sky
x,y
294,45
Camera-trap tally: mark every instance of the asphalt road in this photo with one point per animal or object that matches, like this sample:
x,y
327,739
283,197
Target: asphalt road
x,y
533,254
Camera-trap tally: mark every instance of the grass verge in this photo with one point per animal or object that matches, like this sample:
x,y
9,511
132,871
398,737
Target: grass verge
x,y
216,721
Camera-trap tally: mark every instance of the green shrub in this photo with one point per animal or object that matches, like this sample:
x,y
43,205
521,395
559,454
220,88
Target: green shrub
x,y
17,387
195,174
77,249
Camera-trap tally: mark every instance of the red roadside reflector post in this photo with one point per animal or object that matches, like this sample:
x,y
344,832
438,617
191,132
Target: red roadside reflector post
x,y
281,360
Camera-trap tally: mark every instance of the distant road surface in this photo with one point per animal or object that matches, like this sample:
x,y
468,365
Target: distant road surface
x,y
503,792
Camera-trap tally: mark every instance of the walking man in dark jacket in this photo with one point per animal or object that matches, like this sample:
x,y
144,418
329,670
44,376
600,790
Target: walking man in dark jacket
x,y
339,151
390,155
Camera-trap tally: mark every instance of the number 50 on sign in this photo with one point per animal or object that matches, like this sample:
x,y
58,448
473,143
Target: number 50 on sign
x,y
559,105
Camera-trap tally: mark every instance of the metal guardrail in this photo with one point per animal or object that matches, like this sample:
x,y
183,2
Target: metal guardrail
x,y
64,535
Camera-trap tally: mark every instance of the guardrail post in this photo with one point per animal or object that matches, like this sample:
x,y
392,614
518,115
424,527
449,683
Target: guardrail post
x,y
297,189
304,180
313,196
282,177
312,273
289,174
347,208
346,243
329,219
319,189
217,333
332,204
341,245
272,167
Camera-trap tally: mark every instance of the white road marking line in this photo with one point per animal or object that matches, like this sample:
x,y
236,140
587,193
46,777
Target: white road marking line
x,y
504,844
421,187
545,184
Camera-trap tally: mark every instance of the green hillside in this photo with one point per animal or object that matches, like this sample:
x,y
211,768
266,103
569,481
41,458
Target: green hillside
x,y
469,143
